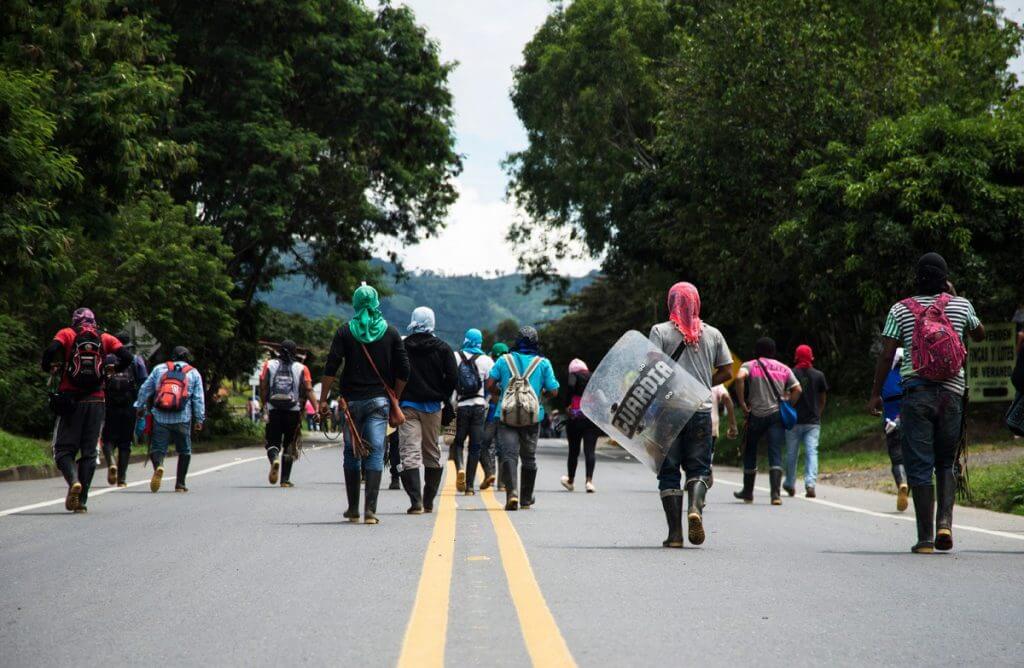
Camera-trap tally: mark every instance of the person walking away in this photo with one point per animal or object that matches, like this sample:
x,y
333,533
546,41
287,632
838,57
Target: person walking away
x,y
119,420
701,351
758,390
720,400
310,416
931,327
178,407
285,384
490,447
432,380
376,369
139,370
522,378
892,400
394,458
75,360
471,411
807,431
579,430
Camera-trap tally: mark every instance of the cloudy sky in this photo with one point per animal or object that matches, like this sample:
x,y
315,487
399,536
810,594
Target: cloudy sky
x,y
486,38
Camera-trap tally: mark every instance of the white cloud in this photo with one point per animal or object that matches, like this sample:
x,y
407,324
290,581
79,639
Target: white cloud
x,y
486,37
474,241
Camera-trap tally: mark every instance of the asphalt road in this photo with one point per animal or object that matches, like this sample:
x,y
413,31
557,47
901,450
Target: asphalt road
x,y
237,572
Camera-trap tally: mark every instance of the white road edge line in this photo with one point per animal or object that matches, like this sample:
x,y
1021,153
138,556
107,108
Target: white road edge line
x,y
888,516
109,490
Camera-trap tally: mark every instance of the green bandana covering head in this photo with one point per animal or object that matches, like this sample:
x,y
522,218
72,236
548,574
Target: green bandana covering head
x,y
368,324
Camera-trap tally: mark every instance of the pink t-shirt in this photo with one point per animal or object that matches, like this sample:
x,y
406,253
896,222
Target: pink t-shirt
x,y
760,396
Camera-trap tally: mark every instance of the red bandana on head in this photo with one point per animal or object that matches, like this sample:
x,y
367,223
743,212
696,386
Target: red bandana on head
x,y
804,357
684,311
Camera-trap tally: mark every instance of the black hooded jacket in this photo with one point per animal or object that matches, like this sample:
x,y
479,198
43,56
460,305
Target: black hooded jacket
x,y
434,372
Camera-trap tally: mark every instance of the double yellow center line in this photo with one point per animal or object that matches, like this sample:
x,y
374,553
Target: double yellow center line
x,y
425,636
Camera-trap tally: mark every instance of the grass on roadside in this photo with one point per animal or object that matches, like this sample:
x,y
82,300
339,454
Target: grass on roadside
x,y
19,450
999,487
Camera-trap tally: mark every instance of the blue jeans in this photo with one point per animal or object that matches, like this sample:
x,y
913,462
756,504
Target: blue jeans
x,y
163,434
371,421
930,425
770,425
809,435
691,451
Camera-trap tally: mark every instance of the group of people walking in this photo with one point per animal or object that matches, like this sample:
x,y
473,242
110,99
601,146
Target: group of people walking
x,y
101,391
383,381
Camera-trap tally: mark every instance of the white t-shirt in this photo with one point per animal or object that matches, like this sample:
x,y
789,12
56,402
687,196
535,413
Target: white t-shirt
x,y
300,376
483,367
716,397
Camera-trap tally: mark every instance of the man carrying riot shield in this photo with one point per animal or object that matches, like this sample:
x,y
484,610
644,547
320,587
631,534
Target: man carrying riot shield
x,y
702,352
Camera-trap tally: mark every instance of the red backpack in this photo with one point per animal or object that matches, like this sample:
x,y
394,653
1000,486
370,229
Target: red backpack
x,y
172,393
937,351
85,361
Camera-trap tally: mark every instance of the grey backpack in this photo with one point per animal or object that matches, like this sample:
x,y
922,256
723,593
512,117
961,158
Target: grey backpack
x,y
520,407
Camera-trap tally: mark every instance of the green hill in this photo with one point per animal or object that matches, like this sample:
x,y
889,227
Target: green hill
x,y
459,302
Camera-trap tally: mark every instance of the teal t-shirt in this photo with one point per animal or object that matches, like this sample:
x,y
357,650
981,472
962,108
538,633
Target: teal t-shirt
x,y
542,379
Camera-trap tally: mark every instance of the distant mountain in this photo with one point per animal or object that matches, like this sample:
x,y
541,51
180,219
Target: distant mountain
x,y
459,302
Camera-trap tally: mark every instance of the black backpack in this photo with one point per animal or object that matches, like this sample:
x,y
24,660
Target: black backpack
x,y
85,363
120,389
468,382
283,393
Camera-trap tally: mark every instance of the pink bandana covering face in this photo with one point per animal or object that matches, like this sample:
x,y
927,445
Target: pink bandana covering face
x,y
684,311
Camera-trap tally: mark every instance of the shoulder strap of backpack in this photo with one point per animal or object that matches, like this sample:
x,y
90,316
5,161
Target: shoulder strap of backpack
x,y
512,368
473,359
462,356
913,306
943,301
533,366
678,351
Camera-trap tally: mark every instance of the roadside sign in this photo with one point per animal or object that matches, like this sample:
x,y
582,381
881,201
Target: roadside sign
x,y
990,363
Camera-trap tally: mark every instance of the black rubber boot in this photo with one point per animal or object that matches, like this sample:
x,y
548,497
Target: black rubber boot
x,y
472,461
526,498
86,470
431,483
108,460
945,493
411,482
372,489
775,483
124,455
352,492
899,474
924,511
395,478
179,483
697,489
286,470
508,472
747,493
672,503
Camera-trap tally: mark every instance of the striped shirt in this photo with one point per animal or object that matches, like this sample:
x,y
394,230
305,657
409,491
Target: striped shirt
x,y
899,325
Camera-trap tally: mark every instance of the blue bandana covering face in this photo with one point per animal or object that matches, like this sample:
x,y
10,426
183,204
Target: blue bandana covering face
x,y
473,342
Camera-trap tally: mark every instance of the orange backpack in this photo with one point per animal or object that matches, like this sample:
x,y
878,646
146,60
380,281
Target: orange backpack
x,y
172,393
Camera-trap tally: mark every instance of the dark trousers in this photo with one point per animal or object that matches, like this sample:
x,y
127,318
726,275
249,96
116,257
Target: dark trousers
x,y
757,427
282,429
931,420
394,455
469,423
76,435
691,452
581,431
894,444
118,429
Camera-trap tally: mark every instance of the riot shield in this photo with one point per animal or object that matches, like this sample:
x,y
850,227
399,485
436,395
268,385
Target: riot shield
x,y
641,398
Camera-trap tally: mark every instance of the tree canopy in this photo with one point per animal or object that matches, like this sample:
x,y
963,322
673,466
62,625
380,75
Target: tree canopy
x,y
727,105
163,161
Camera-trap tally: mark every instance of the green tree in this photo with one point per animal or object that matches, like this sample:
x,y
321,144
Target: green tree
x,y
931,180
739,99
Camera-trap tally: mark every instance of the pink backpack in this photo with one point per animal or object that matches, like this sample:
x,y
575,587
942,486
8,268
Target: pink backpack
x,y
938,352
